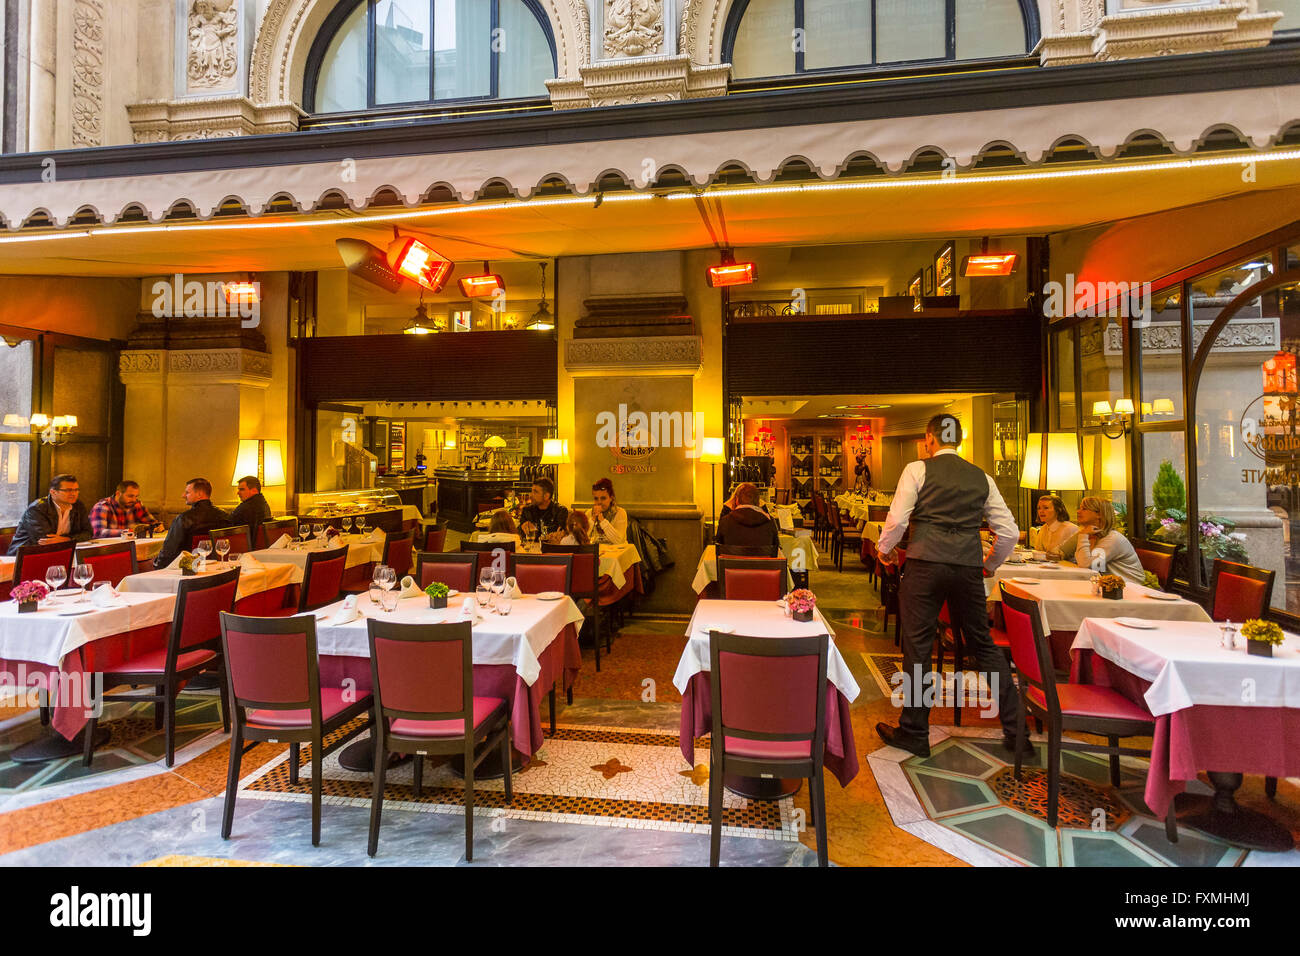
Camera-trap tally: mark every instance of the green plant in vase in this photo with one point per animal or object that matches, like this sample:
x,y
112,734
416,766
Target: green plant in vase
x,y
1261,637
438,594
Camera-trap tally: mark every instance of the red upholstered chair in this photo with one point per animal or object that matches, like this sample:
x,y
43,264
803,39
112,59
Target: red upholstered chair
x,y
272,530
1158,558
769,718
753,579
584,585
536,573
486,551
435,537
33,560
458,571
1240,591
842,536
397,551
423,682
1084,708
273,685
322,581
193,646
112,562
237,536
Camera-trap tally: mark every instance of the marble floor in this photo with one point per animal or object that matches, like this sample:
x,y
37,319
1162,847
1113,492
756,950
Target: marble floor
x,y
141,813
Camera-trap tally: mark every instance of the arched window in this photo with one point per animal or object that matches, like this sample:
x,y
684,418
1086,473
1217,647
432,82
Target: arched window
x,y
1290,13
381,53
782,37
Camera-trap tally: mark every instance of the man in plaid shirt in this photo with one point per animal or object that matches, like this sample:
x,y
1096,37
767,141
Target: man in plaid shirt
x,y
121,510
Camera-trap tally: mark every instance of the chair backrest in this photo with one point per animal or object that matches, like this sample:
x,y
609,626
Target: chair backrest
x,y
753,579
833,514
1241,592
33,560
397,551
435,537
877,512
197,619
486,551
1029,647
585,578
272,530
769,688
536,573
271,663
819,503
1157,557
112,562
422,671
322,578
458,571
236,535
748,551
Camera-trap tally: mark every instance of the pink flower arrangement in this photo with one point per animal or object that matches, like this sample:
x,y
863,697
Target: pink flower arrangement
x,y
29,591
801,601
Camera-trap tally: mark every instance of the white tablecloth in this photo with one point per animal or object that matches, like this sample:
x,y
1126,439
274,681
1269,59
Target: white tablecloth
x,y
785,515
46,637
756,619
707,570
517,639
1065,604
251,580
1056,571
360,551
146,549
616,560
1187,666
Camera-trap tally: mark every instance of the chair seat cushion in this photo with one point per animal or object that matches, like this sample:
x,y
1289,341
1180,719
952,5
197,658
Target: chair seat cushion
x,y
155,662
1086,700
484,709
331,704
768,749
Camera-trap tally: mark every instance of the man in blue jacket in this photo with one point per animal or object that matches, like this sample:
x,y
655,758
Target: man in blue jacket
x,y
57,517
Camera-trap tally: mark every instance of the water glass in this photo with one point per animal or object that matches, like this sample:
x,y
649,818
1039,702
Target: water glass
x,y
376,594
361,525
56,577
391,597
83,574
347,523
223,548
504,602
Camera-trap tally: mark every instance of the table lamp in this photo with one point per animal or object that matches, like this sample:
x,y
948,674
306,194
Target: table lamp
x,y
1052,462
261,457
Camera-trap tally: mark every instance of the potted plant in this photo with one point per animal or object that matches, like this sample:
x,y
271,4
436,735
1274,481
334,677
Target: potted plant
x,y
437,592
28,595
1112,587
802,601
187,565
1261,637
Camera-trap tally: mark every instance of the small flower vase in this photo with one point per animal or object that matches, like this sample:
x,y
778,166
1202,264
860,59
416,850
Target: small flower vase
x,y
437,603
27,607
1113,594
1259,648
804,616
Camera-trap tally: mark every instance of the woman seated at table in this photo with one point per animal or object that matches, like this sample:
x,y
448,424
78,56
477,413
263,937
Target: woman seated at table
x,y
577,529
502,528
1099,538
1057,528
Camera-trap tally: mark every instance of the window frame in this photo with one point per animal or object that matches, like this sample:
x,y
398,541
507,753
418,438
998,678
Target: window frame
x,y
1028,16
339,16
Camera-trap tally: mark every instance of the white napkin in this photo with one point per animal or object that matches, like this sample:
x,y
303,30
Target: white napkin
x,y
250,563
376,535
513,587
280,543
469,610
347,613
409,588
104,595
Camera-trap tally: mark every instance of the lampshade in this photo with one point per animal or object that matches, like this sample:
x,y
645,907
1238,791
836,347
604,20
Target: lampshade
x,y
496,441
1146,410
40,420
1101,408
1055,467
1124,406
261,457
1163,406
715,452
15,421
555,451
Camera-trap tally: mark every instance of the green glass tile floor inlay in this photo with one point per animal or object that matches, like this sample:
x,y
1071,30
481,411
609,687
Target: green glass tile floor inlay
x,y
1081,848
943,793
953,757
1192,848
1012,833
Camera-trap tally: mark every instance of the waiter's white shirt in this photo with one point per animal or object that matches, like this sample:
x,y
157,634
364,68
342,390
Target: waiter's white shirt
x,y
996,513
609,530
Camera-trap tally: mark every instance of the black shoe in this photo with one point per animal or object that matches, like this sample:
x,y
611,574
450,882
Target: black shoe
x,y
1028,749
896,738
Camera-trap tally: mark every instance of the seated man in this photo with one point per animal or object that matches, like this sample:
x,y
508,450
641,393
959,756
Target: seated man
x,y
54,518
543,514
119,511
608,520
252,509
747,525
202,516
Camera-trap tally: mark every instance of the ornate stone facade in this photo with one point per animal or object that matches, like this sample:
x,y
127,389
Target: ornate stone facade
x,y
161,121
88,73
627,355
212,44
633,27
640,80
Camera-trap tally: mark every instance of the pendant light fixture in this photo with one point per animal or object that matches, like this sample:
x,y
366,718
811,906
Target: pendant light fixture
x,y
542,320
420,323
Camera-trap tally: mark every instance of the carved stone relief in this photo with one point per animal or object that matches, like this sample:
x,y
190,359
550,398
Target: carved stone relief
x,y
633,27
212,44
88,73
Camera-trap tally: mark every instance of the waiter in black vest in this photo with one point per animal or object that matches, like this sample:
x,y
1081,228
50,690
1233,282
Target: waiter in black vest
x,y
945,499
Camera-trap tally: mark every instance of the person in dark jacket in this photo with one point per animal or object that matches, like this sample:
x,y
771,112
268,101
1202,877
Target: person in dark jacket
x,y
202,516
57,517
747,525
252,509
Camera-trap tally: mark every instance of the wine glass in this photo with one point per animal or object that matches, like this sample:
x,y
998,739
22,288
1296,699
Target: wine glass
x,y
376,594
203,549
484,591
318,531
56,577
347,523
83,574
498,588
304,530
223,548
361,524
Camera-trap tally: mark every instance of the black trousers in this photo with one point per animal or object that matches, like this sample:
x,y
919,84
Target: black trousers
x,y
924,588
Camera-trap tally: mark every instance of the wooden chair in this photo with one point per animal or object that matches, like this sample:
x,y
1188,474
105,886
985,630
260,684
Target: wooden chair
x,y
459,571
754,736
33,560
584,585
238,537
753,579
272,530
435,537
841,537
112,562
536,573
486,551
322,581
1158,557
398,553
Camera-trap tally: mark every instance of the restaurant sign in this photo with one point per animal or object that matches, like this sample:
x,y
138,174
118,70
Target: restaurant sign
x,y
1270,430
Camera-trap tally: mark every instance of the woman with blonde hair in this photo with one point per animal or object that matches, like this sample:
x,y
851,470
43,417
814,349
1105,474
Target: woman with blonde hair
x,y
1101,545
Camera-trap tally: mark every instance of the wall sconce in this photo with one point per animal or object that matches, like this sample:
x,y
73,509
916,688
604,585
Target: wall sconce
x,y
1117,423
53,431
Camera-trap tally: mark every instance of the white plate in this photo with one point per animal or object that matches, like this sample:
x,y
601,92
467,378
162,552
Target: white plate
x,y
453,593
706,628
549,595
74,610
1135,622
1027,580
1164,597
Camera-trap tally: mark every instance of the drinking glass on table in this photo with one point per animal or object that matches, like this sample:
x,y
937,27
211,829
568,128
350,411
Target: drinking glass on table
x,y
56,577
304,530
385,577
347,523
390,597
376,594
223,548
83,574
498,589
361,524
318,531
483,593
203,549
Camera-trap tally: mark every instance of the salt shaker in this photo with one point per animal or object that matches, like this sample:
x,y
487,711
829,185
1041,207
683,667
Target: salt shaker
x,y
1228,635
1095,580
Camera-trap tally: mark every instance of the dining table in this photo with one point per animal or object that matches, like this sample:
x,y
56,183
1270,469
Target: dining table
x,y
262,587
706,572
1027,569
518,657
145,550
763,619
1217,709
362,549
59,647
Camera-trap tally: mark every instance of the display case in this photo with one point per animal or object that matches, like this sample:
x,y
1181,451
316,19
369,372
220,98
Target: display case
x,y
381,507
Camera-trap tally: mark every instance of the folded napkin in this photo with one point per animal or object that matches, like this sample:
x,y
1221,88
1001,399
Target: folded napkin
x,y
512,587
347,613
250,563
177,562
104,595
409,588
469,610
281,543
376,535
